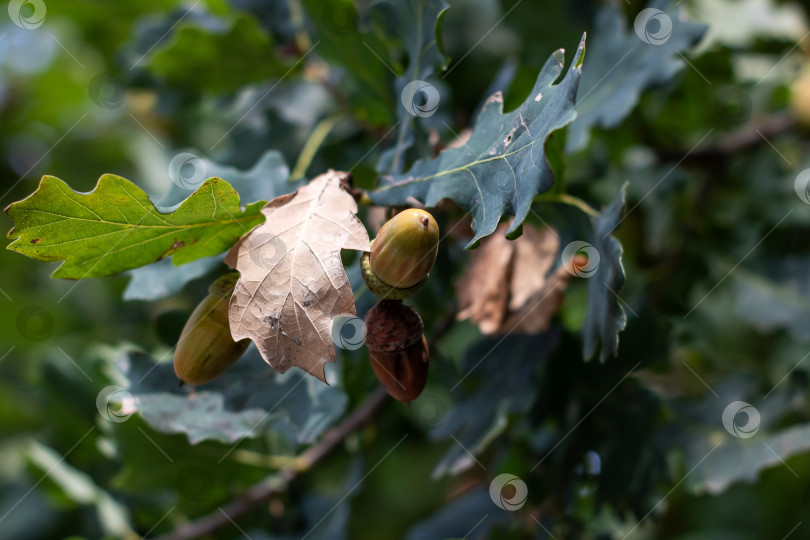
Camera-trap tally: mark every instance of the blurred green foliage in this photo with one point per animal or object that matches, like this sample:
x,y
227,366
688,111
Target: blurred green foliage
x,y
714,232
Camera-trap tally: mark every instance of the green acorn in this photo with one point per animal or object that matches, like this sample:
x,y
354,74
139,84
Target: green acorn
x,y
402,255
205,348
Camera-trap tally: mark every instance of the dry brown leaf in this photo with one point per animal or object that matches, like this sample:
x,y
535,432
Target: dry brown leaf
x,y
483,292
534,315
292,282
507,288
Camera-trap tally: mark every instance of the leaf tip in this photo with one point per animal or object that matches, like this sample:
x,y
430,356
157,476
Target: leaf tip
x,y
438,31
515,231
473,244
497,97
580,56
319,372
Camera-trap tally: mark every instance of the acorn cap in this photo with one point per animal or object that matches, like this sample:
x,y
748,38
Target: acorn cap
x,y
224,285
381,289
392,326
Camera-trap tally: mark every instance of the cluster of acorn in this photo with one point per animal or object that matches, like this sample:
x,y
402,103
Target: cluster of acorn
x,y
401,257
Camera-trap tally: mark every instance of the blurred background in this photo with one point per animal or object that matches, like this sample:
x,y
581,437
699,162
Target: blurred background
x,y
705,124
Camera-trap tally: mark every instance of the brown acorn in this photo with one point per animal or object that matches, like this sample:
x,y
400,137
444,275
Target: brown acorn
x,y
397,349
205,348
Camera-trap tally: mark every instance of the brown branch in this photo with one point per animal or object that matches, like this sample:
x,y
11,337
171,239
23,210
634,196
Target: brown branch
x,y
739,140
753,135
271,485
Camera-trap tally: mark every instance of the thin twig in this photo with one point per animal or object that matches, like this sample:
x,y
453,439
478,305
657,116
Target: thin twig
x,y
271,485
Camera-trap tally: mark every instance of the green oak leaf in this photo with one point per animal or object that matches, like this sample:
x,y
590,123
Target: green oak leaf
x,y
201,417
79,487
459,516
216,60
506,387
776,300
605,316
247,401
420,27
116,227
503,166
163,279
734,434
721,463
340,30
267,179
623,63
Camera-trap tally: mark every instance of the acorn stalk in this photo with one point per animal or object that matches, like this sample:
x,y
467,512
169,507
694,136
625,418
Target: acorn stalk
x,y
205,348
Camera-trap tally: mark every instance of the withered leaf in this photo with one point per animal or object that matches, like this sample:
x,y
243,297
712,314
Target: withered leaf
x,y
506,287
483,292
292,282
